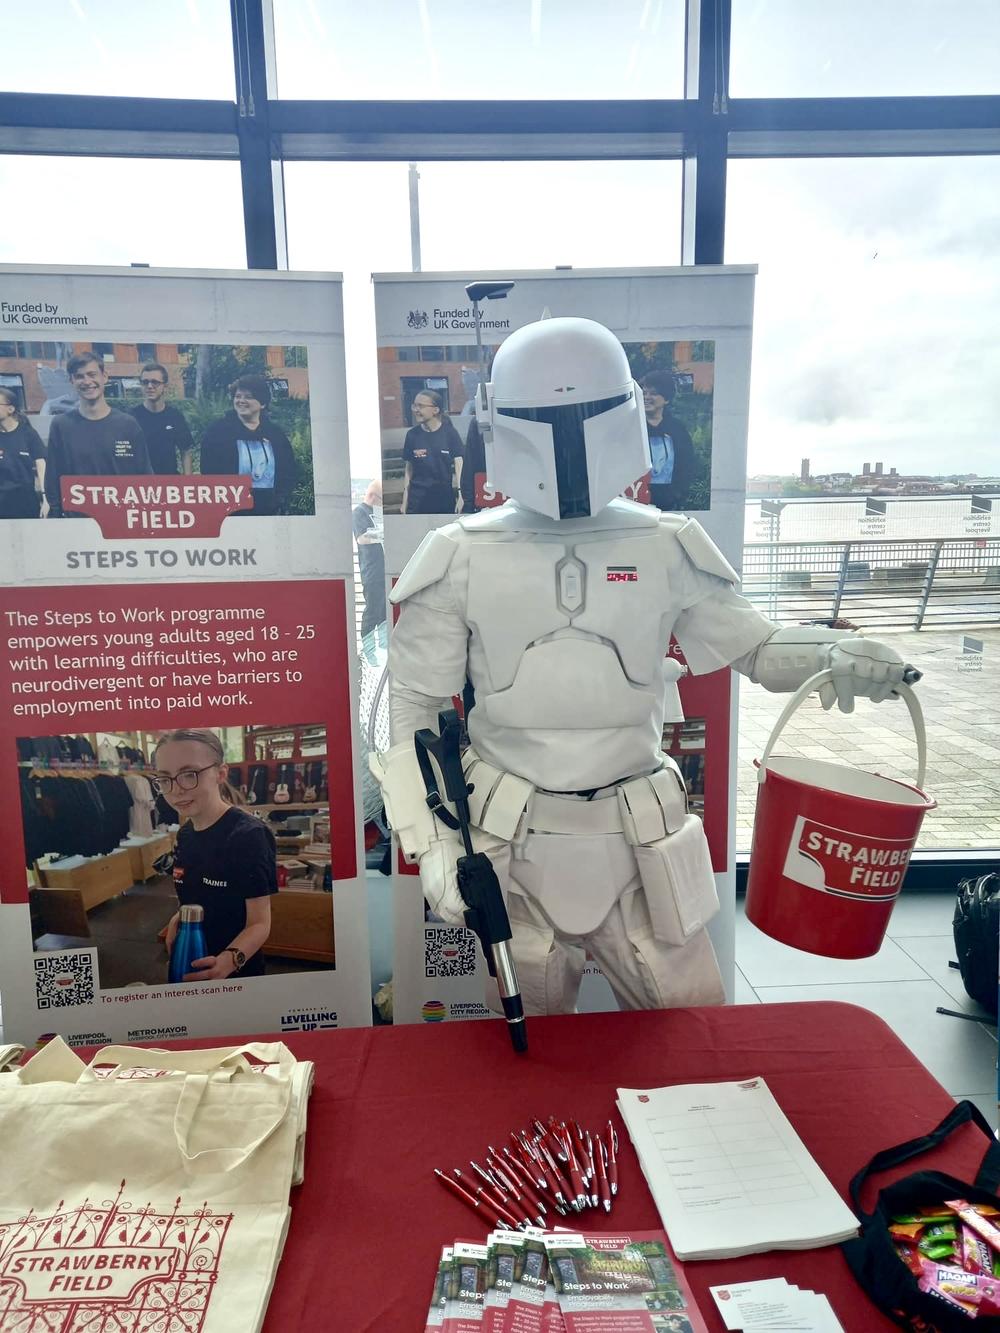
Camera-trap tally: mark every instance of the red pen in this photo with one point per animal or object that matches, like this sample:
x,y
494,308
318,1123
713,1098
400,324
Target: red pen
x,y
481,1205
585,1159
530,1160
523,1176
550,1178
612,1158
602,1176
591,1173
524,1204
509,1199
580,1196
492,1199
549,1133
563,1191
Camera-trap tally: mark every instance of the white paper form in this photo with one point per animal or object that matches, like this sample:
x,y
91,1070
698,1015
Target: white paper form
x,y
728,1172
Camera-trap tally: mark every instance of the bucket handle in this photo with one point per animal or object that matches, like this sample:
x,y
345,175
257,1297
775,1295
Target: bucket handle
x,y
821,678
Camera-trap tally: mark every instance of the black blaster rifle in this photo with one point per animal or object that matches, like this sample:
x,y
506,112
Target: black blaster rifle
x,y
486,911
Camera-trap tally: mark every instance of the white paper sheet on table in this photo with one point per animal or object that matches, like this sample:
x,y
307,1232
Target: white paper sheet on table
x,y
728,1172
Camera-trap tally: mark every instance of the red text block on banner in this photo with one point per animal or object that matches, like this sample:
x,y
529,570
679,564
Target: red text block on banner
x,y
154,657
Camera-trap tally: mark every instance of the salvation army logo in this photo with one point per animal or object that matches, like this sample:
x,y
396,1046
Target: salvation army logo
x,y
111,1263
417,319
845,864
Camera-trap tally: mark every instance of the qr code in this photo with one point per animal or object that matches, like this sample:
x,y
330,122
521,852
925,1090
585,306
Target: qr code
x,y
63,979
449,952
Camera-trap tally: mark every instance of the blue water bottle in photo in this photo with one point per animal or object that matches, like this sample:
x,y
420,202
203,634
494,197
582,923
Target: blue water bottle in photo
x,y
189,943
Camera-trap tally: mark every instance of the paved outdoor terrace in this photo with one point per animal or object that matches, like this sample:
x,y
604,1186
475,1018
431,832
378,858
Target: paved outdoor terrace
x,y
962,715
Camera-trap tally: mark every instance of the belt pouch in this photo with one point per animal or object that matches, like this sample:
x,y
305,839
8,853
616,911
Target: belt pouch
x,y
676,874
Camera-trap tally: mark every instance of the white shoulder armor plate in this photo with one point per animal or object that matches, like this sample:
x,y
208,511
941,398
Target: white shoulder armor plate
x,y
427,565
703,552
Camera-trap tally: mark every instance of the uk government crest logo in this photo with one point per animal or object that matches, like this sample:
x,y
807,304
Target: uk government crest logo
x,y
417,319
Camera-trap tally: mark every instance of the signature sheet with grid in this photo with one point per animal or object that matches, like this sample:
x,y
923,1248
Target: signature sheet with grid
x,y
728,1172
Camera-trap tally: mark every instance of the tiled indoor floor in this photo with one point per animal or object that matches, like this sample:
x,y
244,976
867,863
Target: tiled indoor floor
x,y
905,983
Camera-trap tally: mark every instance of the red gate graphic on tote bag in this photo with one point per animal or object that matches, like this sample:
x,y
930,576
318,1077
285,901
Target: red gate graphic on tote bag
x,y
116,1266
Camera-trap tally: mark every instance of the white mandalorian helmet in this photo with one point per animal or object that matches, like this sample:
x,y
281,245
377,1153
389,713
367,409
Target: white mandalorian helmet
x,y
564,426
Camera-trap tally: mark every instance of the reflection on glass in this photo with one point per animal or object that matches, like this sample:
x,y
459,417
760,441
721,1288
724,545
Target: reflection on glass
x,y
119,48
854,48
448,49
161,212
873,424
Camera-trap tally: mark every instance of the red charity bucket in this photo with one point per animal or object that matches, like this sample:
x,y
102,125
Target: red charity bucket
x,y
831,845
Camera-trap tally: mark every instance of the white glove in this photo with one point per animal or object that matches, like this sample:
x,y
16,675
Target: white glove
x,y
865,668
439,880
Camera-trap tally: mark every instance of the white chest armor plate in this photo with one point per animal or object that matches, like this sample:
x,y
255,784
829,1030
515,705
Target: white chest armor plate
x,y
567,654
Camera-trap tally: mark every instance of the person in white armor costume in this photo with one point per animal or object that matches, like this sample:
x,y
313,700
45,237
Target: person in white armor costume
x,y
558,607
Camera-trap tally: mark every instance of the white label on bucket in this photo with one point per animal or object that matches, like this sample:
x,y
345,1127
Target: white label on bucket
x,y
849,865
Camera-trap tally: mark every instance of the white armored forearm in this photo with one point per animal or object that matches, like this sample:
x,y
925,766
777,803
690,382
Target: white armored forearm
x,y
410,711
860,666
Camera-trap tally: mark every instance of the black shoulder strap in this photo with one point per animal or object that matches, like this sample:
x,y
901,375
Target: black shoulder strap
x,y
988,1177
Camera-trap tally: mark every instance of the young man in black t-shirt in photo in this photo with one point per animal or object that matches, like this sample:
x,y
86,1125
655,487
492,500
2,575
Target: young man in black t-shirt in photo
x,y
93,440
168,436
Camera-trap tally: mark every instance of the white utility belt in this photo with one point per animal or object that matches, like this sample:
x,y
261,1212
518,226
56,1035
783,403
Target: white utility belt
x,y
644,809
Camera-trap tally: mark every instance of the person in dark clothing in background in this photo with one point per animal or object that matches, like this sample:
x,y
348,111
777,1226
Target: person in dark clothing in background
x,y
670,446
367,524
168,436
93,440
432,454
246,443
22,463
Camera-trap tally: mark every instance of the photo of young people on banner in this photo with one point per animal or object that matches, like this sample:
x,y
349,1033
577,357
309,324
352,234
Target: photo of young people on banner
x,y
433,458
124,829
153,409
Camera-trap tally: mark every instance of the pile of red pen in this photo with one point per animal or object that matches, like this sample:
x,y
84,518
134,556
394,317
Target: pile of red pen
x,y
558,1166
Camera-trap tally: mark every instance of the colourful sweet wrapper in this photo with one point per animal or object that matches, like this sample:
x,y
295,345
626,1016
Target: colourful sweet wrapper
x,y
906,1230
975,1217
977,1295
912,1258
977,1257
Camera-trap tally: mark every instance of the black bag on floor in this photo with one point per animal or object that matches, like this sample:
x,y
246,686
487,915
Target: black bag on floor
x,y
872,1256
977,933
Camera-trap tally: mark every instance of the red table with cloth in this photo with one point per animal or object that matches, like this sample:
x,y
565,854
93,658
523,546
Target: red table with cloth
x,y
390,1104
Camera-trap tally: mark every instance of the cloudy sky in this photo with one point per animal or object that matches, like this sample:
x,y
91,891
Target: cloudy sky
x,y
876,320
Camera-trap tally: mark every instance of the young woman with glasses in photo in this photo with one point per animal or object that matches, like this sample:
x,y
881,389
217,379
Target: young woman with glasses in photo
x,y
225,859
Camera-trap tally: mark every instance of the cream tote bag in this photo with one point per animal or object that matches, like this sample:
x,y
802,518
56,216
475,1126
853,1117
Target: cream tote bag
x,y
156,1203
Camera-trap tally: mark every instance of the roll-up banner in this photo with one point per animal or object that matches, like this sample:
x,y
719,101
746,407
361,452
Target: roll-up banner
x,y
692,327
176,558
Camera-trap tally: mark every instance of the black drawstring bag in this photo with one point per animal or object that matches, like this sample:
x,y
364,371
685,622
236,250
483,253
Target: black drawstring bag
x,y
872,1256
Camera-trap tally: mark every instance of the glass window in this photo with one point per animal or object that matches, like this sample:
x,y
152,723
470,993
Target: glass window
x,y
544,214
146,351
329,207
539,214
448,49
128,48
864,48
162,212
873,414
